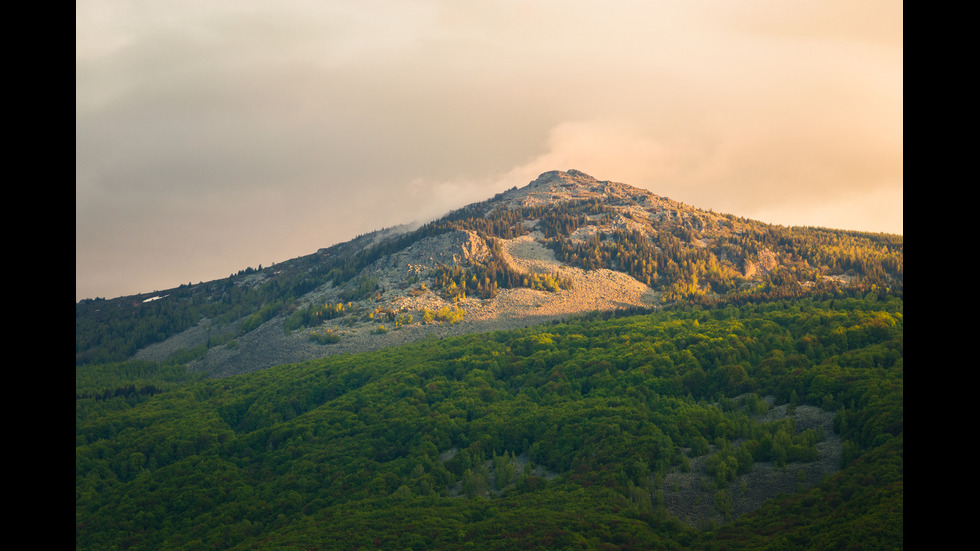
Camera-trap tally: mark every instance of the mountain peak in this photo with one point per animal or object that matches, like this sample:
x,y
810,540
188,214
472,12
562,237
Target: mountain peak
x,y
569,176
568,179
558,186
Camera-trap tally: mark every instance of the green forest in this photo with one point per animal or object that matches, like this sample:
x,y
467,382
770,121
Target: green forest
x,y
563,435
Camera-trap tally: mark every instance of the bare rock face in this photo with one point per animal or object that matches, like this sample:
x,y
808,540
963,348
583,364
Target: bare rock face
x,y
420,258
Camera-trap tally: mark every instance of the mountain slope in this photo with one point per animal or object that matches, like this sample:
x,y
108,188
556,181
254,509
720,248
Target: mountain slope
x,y
565,244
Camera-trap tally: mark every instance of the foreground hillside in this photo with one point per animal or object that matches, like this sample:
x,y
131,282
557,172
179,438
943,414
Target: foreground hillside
x,y
565,244
654,431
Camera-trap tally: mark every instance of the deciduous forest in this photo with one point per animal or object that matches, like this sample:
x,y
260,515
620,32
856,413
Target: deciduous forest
x,y
560,435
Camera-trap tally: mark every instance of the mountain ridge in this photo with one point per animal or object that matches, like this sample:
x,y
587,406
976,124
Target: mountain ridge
x,y
565,244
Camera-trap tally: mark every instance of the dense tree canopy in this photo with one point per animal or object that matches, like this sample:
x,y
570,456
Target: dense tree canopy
x,y
552,436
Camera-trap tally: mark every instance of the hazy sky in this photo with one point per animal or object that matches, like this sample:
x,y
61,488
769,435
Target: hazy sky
x,y
214,136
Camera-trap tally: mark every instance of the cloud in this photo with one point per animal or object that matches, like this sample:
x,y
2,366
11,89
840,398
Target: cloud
x,y
818,177
249,131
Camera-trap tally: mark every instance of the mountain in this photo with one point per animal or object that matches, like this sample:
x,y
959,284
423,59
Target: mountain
x,y
566,244
696,381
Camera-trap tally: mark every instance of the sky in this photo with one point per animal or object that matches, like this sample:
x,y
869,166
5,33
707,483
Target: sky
x,y
215,136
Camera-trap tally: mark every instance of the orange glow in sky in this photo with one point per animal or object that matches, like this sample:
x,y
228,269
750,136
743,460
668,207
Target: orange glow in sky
x,y
213,136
